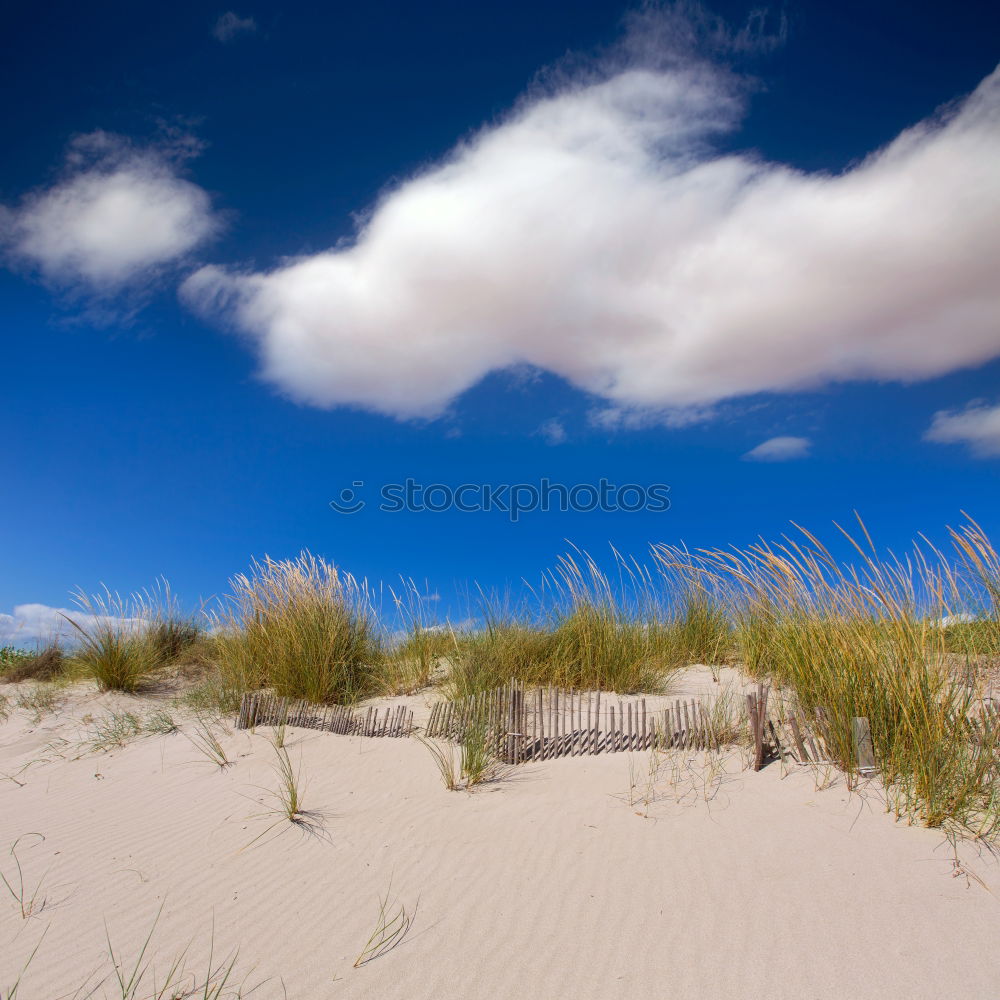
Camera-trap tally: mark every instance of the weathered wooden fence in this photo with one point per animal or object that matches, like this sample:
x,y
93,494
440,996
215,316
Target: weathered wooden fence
x,y
263,709
551,722
541,723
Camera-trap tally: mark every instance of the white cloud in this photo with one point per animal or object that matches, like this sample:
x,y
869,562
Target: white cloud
x,y
594,233
117,215
38,624
553,431
779,449
977,426
230,25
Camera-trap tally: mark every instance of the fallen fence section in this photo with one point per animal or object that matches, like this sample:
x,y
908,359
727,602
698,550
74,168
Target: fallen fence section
x,y
262,709
542,723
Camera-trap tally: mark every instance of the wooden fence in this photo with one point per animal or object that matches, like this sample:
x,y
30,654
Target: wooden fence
x,y
551,722
263,709
541,723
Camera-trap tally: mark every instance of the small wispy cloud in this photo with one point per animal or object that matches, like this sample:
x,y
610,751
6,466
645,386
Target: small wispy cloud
x,y
779,449
230,25
977,426
553,431
118,214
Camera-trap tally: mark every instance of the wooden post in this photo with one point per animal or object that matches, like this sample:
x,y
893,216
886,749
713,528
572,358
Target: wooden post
x,y
800,747
863,747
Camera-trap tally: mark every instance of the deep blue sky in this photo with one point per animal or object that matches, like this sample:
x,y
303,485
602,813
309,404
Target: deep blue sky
x,y
148,447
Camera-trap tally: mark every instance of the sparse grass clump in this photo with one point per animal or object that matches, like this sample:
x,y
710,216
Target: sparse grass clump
x,y
113,731
288,794
210,746
39,699
302,628
29,899
160,723
391,925
474,761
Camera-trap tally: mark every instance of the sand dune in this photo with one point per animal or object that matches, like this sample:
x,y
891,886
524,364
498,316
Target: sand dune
x,y
549,884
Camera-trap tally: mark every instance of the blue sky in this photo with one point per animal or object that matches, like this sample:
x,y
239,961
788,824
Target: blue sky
x,y
247,265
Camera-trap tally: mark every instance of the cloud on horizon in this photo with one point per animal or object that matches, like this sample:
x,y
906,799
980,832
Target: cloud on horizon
x,y
779,449
595,233
977,426
40,624
117,215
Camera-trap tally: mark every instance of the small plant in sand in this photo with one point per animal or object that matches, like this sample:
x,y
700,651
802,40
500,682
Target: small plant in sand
x,y
642,781
288,793
208,744
160,723
445,759
278,735
287,799
114,730
479,760
473,762
11,992
4,708
30,901
137,980
391,926
39,699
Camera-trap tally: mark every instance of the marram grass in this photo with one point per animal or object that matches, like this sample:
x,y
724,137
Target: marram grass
x,y
302,628
867,640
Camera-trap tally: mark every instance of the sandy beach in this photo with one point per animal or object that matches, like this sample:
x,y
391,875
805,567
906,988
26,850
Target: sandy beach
x,y
559,881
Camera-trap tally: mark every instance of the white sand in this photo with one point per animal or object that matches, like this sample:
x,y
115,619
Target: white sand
x,y
548,885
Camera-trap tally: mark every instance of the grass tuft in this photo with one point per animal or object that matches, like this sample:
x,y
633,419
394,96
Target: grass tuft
x,y
302,628
207,743
391,925
30,901
114,730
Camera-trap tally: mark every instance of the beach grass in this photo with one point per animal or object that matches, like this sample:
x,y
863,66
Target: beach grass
x,y
302,628
865,639
122,641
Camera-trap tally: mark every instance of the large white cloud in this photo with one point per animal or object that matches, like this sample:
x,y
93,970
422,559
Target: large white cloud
x,y
593,233
117,214
978,426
